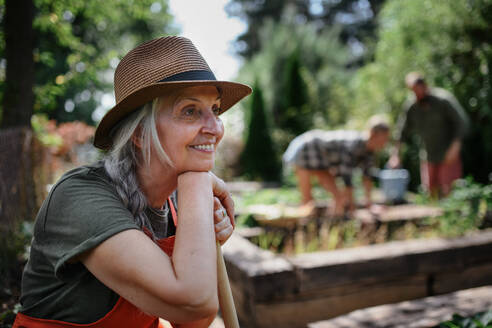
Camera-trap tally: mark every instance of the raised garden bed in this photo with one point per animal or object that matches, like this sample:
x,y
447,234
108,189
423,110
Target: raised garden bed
x,y
282,230
280,226
315,268
272,290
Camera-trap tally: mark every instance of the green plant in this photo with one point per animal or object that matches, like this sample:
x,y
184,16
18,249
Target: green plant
x,y
465,208
246,220
14,251
468,208
479,320
41,127
271,240
259,158
283,196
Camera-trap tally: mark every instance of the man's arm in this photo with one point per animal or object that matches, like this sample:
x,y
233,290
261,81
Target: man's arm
x,y
403,129
367,182
394,160
453,152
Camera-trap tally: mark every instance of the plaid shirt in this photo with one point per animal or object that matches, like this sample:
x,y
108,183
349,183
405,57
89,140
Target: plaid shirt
x,y
339,152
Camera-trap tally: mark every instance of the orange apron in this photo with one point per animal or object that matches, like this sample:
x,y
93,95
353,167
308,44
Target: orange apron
x,y
123,314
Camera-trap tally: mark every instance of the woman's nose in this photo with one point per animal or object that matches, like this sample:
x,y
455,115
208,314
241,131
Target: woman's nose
x,y
212,124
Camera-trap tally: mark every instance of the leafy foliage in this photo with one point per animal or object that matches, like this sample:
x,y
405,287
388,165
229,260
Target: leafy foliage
x,y
13,255
41,128
357,19
79,43
300,70
479,320
466,208
450,42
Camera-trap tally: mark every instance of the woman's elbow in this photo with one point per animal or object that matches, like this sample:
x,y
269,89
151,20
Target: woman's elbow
x,y
208,308
199,304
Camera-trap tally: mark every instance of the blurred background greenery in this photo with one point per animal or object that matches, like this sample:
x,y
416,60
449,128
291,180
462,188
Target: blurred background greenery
x,y
314,64
332,64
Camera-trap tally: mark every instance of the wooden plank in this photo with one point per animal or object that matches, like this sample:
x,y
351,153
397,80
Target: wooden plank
x,y
406,212
300,311
382,261
278,215
262,274
281,215
446,282
272,290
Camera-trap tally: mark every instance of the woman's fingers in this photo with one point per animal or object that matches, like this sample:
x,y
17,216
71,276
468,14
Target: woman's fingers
x,y
223,235
217,204
220,191
222,223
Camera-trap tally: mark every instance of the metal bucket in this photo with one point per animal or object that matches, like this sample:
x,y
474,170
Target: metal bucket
x,y
394,184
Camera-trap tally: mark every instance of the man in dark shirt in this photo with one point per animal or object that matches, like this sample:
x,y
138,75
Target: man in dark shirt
x,y
440,123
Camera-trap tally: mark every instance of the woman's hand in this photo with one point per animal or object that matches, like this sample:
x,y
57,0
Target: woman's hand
x,y
220,191
222,222
223,205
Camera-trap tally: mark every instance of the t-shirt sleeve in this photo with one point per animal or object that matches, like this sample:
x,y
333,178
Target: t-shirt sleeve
x,y
82,213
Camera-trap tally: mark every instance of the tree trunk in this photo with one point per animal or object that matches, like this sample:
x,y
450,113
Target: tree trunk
x,y
17,191
18,97
17,188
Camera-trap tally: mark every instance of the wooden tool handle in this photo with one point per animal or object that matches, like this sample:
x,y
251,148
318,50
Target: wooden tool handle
x,y
226,301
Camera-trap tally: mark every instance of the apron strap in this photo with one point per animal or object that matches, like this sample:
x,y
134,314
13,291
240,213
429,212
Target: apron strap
x,y
173,211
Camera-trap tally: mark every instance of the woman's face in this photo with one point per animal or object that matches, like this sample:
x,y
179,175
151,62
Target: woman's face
x,y
189,127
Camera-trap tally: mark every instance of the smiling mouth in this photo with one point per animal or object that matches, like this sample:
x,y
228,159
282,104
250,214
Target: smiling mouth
x,y
207,147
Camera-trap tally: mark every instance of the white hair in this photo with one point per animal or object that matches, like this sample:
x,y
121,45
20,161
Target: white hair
x,y
378,124
122,160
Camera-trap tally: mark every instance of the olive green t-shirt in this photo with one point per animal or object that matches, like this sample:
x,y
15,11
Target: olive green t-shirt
x,y
438,120
82,210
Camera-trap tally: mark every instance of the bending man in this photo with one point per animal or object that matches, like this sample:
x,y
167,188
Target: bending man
x,y
331,154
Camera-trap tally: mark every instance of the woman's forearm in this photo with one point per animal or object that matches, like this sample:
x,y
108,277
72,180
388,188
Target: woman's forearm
x,y
194,256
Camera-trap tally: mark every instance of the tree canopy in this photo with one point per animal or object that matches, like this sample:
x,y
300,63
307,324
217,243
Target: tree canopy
x,y
450,42
299,69
356,19
78,43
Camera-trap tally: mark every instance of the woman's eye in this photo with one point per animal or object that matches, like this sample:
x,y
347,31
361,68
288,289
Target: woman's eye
x,y
189,111
217,110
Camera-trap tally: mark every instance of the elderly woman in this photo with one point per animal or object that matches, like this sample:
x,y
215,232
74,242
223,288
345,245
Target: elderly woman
x,y
109,249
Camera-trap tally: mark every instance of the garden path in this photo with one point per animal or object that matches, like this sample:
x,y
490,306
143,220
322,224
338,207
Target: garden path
x,y
421,313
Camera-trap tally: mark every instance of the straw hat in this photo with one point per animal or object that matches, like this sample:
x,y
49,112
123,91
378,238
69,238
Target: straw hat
x,y
154,68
